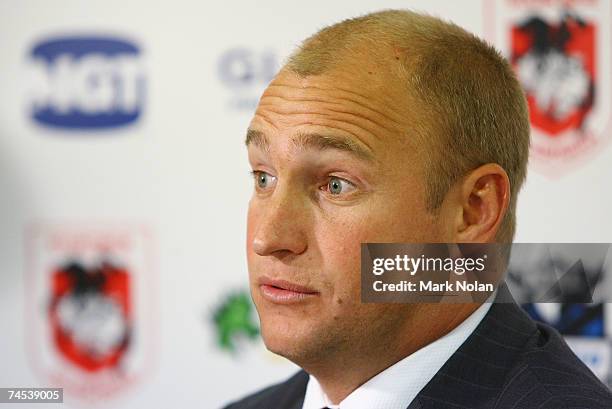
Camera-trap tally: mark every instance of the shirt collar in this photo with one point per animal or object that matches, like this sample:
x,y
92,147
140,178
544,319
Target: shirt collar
x,y
398,385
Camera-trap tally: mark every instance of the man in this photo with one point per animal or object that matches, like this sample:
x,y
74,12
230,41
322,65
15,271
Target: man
x,y
393,127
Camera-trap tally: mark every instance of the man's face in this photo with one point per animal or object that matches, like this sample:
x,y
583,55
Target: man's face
x,y
335,166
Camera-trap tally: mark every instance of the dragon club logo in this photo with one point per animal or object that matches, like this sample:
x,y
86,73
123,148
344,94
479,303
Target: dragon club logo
x,y
89,307
560,52
90,315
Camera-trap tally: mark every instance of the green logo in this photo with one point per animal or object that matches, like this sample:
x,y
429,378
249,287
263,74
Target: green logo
x,y
233,319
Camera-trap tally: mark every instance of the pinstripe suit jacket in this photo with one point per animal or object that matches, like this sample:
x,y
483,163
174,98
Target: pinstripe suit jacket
x,y
508,362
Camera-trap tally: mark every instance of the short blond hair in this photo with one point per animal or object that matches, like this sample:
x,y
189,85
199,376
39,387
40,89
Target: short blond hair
x,y
473,106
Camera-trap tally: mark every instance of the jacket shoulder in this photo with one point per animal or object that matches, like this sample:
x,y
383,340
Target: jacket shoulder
x,y
289,392
549,375
510,361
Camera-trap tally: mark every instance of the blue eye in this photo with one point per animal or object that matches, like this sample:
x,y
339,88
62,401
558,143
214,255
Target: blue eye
x,y
337,186
263,180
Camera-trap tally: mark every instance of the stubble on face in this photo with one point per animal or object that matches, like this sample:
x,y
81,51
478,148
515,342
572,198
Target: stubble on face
x,y
357,103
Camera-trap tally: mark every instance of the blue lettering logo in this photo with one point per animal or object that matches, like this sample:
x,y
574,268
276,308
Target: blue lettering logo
x,y
86,82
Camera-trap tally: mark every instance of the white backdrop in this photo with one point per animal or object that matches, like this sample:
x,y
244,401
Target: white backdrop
x,y
167,193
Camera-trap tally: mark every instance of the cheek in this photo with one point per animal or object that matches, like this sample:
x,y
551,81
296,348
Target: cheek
x,y
401,219
339,239
340,249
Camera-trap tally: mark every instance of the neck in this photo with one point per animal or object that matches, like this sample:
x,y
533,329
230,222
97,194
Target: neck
x,y
349,368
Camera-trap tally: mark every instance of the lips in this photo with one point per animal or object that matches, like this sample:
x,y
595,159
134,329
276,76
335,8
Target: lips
x,y
284,292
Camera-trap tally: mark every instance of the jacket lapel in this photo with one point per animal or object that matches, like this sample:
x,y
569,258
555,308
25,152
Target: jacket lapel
x,y
474,375
293,393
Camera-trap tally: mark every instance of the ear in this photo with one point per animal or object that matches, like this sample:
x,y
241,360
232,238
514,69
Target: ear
x,y
483,198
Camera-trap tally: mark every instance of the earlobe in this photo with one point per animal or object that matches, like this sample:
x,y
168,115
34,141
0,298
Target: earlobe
x,y
485,195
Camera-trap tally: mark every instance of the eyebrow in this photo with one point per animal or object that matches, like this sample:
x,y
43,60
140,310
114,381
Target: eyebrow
x,y
314,141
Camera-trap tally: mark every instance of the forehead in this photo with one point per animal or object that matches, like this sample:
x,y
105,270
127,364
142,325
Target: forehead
x,y
358,103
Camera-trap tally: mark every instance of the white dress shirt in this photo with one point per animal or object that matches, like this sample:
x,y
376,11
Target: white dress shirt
x,y
398,385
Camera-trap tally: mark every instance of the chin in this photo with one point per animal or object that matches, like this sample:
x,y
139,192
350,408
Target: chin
x,y
284,338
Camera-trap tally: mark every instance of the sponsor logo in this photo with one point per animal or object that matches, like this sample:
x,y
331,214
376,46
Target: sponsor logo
x,y
233,321
89,313
90,300
86,82
560,52
579,272
245,73
585,320
594,353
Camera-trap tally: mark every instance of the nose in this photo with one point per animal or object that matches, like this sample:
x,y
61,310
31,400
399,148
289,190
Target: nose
x,y
280,224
